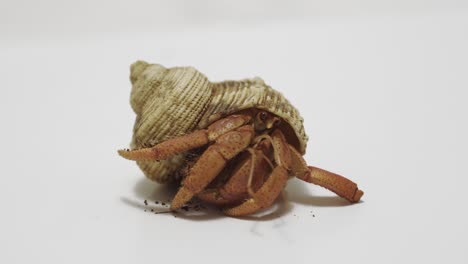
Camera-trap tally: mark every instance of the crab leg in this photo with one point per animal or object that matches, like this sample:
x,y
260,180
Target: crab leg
x,y
212,196
338,184
184,143
271,189
254,169
236,187
211,162
265,196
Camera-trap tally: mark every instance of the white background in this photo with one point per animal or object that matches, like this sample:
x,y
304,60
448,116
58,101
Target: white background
x,y
381,86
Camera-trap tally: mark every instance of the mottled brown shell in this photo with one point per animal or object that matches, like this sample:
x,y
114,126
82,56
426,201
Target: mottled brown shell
x,y
171,102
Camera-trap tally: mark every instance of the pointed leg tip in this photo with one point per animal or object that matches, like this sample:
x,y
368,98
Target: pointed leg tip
x,y
124,153
145,154
183,196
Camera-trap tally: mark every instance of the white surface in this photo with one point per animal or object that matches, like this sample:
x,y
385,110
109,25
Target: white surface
x,y
382,89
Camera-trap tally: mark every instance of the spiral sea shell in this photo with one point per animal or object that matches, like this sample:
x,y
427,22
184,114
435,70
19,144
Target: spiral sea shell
x,y
171,102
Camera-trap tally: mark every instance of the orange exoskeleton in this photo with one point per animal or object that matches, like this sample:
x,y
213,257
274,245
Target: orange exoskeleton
x,y
249,139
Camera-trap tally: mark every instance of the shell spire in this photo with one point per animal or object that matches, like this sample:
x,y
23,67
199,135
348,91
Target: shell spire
x,y
168,103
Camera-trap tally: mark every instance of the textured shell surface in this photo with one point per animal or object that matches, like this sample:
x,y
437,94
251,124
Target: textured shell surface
x,y
171,102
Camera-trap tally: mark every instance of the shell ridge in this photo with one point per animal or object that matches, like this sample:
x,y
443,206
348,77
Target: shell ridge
x,y
160,96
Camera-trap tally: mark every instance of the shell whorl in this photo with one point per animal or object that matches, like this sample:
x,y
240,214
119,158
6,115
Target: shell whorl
x,y
233,96
168,103
171,102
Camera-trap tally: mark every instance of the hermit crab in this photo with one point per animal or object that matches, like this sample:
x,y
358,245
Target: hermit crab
x,y
233,143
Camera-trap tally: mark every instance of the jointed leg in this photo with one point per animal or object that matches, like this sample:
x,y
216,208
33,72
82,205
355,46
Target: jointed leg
x,y
270,190
236,187
212,196
338,184
246,176
335,183
265,196
184,143
211,162
169,147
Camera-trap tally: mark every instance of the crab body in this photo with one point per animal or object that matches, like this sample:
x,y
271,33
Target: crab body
x,y
252,139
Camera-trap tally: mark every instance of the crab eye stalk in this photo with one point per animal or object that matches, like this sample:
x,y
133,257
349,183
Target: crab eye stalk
x,y
262,115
